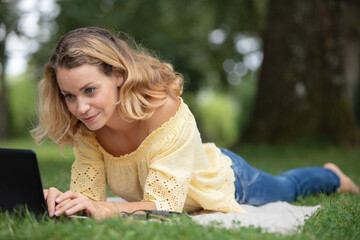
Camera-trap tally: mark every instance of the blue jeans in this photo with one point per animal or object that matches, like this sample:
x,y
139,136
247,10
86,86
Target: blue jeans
x,y
255,187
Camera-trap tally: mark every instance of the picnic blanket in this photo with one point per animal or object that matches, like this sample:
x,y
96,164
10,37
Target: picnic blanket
x,y
280,217
273,217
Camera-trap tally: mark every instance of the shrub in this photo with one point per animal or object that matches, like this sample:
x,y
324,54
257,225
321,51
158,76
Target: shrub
x,y
21,95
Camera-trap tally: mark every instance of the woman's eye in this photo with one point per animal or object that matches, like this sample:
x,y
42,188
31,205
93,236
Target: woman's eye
x,y
90,90
68,96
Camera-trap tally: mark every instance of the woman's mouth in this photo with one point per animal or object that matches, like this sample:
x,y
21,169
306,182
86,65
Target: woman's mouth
x,y
90,119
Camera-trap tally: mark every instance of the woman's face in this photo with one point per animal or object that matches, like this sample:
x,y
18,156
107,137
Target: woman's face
x,y
90,95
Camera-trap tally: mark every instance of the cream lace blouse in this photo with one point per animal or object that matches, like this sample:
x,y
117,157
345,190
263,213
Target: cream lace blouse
x,y
171,167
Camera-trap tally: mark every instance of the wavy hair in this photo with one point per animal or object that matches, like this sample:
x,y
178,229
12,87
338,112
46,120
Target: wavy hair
x,y
145,77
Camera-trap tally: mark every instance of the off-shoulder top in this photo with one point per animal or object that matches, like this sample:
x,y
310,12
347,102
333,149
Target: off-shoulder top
x,y
171,167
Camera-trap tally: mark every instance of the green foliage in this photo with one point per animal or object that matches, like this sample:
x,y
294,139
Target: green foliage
x,y
244,94
218,116
222,117
21,94
177,30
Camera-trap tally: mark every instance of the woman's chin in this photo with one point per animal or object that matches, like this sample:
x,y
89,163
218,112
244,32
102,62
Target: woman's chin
x,y
93,127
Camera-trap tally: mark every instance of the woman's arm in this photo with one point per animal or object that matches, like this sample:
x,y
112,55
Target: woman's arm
x,y
71,202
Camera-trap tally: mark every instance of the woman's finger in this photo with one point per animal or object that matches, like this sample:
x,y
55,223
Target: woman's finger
x,y
45,191
62,204
72,206
83,205
51,194
67,195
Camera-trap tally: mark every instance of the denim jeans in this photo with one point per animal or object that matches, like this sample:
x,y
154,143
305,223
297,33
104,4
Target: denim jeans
x,y
255,187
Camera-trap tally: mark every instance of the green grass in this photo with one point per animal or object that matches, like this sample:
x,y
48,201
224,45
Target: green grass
x,y
339,218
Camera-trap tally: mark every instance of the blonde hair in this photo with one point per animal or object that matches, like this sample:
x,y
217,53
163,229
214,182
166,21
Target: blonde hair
x,y
145,77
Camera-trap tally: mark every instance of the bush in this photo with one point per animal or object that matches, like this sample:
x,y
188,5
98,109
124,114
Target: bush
x,y
217,116
21,95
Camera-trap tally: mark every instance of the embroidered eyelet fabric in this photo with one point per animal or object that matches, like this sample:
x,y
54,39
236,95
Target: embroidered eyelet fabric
x,y
172,168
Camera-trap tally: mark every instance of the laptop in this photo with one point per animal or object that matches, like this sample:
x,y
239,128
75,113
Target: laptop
x,y
20,182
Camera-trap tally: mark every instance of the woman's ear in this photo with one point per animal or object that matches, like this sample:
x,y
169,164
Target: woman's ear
x,y
118,74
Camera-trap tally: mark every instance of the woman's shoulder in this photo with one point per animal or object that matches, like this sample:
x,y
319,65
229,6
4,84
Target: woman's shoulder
x,y
163,113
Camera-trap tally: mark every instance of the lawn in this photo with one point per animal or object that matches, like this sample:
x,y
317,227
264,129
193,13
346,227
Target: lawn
x,y
339,218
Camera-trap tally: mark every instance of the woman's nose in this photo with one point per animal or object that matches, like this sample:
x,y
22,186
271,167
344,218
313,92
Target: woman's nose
x,y
83,107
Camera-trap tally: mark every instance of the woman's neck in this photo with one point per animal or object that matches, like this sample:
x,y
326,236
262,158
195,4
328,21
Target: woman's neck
x,y
121,141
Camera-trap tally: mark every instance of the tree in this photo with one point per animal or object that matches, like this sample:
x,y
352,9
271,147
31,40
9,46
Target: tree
x,y
8,24
302,86
176,30
352,54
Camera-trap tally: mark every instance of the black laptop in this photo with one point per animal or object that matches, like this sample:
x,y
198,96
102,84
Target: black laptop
x,y
20,182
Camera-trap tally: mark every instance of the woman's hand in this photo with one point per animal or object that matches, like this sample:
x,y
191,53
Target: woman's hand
x,y
50,196
71,202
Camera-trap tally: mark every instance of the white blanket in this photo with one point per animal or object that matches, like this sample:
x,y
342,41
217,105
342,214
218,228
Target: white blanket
x,y
273,217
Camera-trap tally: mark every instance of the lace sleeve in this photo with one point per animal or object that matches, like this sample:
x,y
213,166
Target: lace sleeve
x,y
167,191
88,172
170,170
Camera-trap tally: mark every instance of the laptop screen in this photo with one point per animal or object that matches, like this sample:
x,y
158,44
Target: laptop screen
x,y
20,182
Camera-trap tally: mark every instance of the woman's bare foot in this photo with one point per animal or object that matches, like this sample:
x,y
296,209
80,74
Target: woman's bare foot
x,y
346,184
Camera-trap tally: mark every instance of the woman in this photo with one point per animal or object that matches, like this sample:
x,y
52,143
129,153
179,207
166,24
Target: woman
x,y
121,110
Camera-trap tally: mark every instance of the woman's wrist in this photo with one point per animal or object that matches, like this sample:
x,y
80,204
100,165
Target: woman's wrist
x,y
101,210
130,207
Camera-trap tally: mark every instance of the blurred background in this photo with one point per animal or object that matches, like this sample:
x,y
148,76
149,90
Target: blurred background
x,y
264,71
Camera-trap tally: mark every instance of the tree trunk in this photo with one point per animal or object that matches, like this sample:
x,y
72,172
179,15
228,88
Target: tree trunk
x,y
302,87
3,93
352,55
